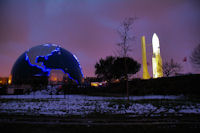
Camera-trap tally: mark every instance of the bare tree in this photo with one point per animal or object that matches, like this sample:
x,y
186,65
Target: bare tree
x,y
125,46
195,57
171,68
124,32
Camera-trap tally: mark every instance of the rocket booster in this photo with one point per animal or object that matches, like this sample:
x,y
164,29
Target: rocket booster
x,y
144,59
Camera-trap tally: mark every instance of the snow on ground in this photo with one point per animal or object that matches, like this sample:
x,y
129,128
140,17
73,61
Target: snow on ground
x,y
83,105
39,95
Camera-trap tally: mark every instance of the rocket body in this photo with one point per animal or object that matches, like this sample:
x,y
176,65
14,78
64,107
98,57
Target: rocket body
x,y
156,59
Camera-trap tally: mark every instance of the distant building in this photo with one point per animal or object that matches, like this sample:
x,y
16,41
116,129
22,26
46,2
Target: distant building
x,y
3,80
94,82
18,89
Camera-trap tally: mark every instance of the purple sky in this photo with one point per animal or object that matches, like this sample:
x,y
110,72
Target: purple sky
x,y
87,28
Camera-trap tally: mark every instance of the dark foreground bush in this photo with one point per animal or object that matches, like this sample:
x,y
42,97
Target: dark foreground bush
x,y
186,85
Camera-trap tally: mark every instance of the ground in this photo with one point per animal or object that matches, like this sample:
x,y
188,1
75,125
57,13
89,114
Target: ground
x,y
78,113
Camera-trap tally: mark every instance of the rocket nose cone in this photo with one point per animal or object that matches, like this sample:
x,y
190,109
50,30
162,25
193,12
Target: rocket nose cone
x,y
155,43
155,39
155,36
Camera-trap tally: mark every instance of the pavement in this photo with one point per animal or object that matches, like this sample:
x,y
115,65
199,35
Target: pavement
x,y
56,124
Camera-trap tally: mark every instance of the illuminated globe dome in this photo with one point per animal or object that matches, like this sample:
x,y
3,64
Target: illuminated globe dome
x,y
47,60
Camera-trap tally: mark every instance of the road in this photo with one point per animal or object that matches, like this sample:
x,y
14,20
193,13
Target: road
x,y
56,124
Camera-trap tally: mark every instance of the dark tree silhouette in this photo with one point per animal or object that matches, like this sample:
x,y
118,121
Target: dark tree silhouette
x,y
124,45
104,68
38,83
67,84
132,67
195,57
113,68
171,68
64,85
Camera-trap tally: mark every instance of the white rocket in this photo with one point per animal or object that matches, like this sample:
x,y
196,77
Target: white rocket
x,y
156,59
155,43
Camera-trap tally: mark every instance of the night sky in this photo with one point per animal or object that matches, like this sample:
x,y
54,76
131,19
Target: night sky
x,y
88,28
